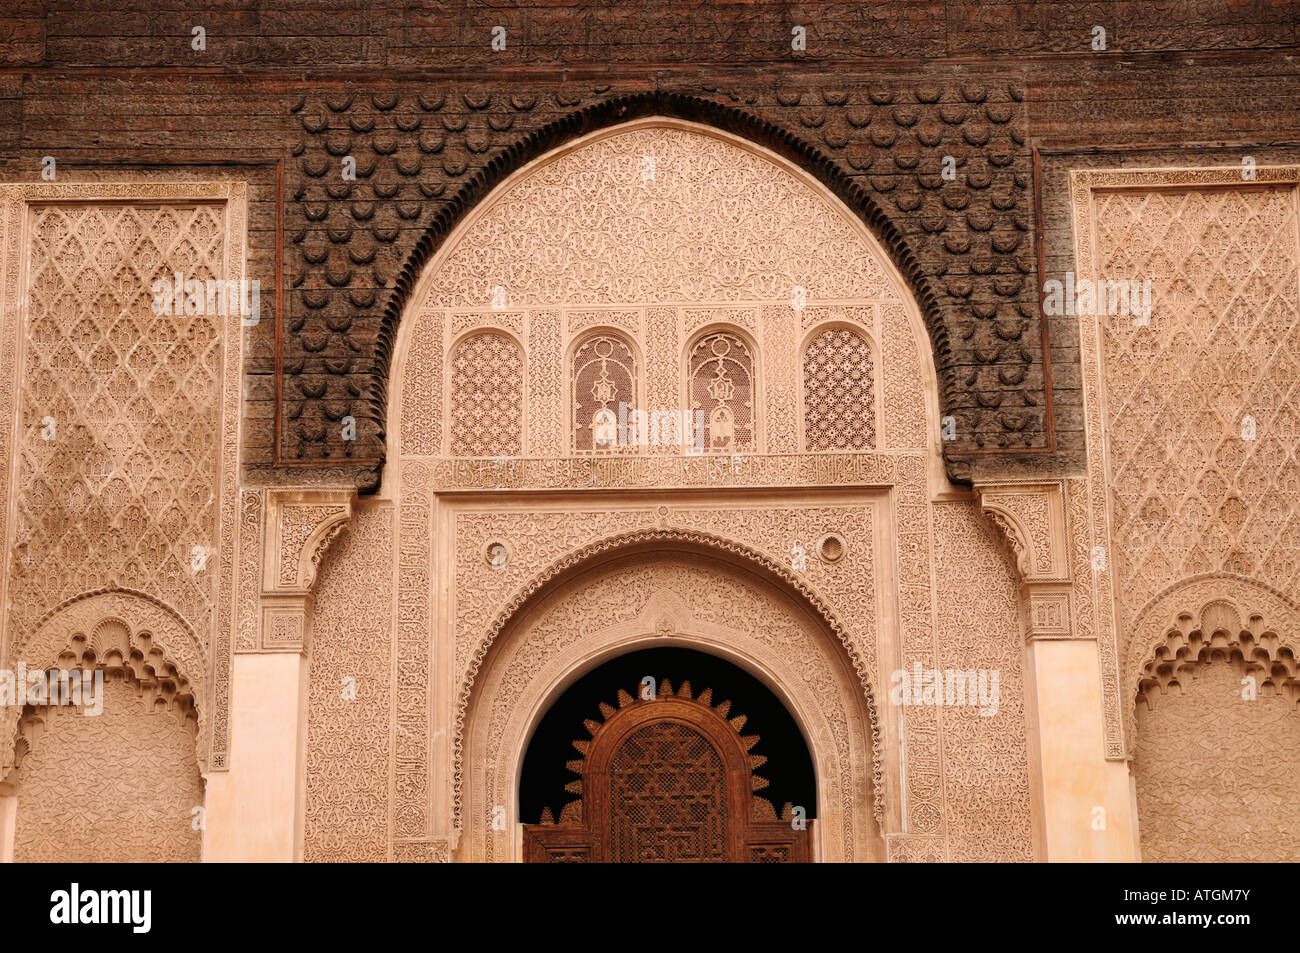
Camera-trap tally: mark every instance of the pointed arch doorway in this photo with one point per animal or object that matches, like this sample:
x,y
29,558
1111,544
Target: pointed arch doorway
x,y
667,769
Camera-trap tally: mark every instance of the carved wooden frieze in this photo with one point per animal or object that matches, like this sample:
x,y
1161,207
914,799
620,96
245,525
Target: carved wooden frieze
x,y
939,172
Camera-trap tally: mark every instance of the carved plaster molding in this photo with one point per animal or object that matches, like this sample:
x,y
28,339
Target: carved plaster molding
x,y
196,226
910,849
1132,558
1187,624
796,586
1033,519
760,623
118,628
300,524
428,850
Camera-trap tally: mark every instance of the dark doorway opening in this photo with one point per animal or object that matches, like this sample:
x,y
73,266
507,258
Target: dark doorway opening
x,y
789,767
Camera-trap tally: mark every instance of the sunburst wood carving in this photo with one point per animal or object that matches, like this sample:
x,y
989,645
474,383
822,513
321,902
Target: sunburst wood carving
x,y
667,778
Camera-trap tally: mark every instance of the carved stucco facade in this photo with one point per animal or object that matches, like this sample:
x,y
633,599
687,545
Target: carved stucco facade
x,y
1194,460
390,655
629,566
119,455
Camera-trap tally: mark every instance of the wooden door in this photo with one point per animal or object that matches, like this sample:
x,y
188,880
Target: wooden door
x,y
667,780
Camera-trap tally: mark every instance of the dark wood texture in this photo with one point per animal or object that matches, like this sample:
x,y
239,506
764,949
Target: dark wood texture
x,y
435,117
668,780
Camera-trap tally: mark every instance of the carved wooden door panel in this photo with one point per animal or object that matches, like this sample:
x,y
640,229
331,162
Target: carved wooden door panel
x,y
667,780
667,797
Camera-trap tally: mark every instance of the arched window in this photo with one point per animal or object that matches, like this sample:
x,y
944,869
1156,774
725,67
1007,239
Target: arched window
x,y
604,393
487,393
720,382
839,407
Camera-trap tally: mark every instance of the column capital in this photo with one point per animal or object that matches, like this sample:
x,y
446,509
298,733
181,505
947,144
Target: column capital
x,y
301,523
1032,516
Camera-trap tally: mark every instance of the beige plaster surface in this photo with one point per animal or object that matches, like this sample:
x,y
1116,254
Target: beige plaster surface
x,y
1075,779
255,809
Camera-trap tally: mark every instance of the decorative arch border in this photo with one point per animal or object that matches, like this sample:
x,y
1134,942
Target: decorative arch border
x,y
617,111
1209,599
503,718
568,566
169,648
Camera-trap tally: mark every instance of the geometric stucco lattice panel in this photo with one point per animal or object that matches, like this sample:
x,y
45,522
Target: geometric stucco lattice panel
x,y
1192,417
125,469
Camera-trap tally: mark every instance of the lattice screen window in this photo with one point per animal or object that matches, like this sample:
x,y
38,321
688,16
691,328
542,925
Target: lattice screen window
x,y
667,797
839,406
721,383
604,376
487,388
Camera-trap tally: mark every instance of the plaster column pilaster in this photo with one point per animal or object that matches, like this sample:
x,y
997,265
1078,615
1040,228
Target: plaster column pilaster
x,y
1082,802
8,823
256,809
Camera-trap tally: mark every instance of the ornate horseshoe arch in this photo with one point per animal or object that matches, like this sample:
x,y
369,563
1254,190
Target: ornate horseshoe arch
x,y
555,301
659,108
1216,613
153,642
647,588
